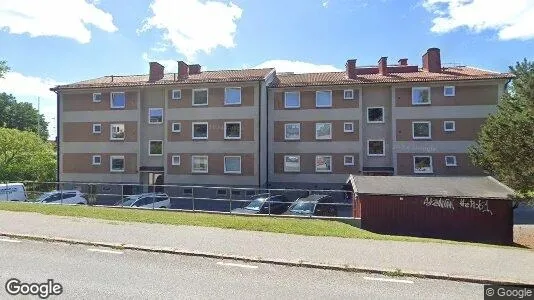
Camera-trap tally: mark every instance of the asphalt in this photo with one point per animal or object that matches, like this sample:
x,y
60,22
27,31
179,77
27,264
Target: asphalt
x,y
489,263
88,273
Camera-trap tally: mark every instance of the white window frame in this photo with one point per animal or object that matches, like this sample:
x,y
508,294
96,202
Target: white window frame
x,y
324,171
193,97
111,158
179,125
383,114
155,109
94,97
455,164
422,88
240,96
111,138
173,162
449,122
192,164
351,127
423,172
94,163
149,148
232,172
111,99
324,138
94,128
291,171
173,93
449,87
348,98
383,147
298,97
351,163
316,98
285,132
193,130
229,137
429,137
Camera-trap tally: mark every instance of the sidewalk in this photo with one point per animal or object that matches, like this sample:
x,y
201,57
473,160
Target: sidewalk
x,y
490,263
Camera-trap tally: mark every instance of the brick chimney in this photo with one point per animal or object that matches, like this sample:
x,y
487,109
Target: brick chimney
x,y
403,62
432,60
183,70
156,71
383,65
195,69
350,68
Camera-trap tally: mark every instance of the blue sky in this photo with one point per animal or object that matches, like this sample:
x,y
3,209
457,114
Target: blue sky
x,y
60,41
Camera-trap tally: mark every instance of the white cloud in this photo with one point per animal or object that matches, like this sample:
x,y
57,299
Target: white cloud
x,y
192,26
28,89
296,66
513,19
64,18
325,3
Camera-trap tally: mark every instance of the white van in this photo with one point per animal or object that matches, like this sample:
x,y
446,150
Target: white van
x,y
12,192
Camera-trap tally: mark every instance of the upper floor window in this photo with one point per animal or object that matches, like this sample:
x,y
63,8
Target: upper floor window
x,y
232,164
199,164
292,163
449,91
200,130
292,131
323,131
175,160
422,164
420,95
176,127
375,148
117,132
97,97
292,99
118,99
155,147
323,163
97,128
116,163
176,94
421,130
155,115
348,127
348,160
348,94
449,126
97,160
232,96
375,115
200,97
232,130
323,99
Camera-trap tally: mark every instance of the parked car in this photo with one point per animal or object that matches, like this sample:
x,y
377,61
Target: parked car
x,y
313,205
63,197
265,204
12,192
147,200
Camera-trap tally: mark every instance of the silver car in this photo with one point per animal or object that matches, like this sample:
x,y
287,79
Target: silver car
x,y
63,197
148,200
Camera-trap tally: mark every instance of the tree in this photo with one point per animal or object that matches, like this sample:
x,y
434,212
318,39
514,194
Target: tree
x,y
3,68
21,116
505,144
25,156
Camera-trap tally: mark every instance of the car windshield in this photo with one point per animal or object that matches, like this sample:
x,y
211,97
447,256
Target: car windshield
x,y
45,195
127,201
255,204
303,207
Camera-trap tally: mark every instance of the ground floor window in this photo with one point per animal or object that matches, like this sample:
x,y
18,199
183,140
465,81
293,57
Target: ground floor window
x,y
292,163
199,164
422,164
232,164
323,163
116,163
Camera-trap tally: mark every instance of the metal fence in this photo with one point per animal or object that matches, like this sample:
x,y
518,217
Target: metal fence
x,y
223,199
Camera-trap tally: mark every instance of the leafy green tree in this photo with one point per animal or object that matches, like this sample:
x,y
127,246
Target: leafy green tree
x,y
505,144
25,156
3,68
21,116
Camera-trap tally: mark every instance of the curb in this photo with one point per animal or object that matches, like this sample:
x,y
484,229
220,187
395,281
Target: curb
x,y
302,264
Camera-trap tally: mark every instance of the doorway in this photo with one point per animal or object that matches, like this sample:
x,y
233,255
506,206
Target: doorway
x,y
152,182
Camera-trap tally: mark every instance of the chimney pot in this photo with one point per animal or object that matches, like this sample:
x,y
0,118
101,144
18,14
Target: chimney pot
x,y
183,70
383,65
156,71
432,60
195,69
403,61
350,68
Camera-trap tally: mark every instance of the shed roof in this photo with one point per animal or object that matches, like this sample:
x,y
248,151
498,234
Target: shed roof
x,y
453,186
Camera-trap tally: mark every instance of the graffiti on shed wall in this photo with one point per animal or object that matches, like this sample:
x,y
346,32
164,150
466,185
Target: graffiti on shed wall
x,y
439,202
446,203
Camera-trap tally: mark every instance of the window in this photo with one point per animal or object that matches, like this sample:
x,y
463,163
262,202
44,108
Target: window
x,y
232,130
420,95
97,128
323,99
155,115
421,130
232,164
348,160
291,99
97,160
117,132
449,126
348,94
176,94
232,96
450,161
200,130
200,97
449,91
348,127
118,100
292,163
375,148
323,131
116,163
422,164
97,97
199,164
292,131
155,148
323,163
375,115
176,127
175,160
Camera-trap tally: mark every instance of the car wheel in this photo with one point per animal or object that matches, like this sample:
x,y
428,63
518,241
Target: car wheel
x,y
163,207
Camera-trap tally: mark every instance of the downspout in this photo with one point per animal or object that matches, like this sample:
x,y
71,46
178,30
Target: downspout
x,y
267,136
259,134
57,134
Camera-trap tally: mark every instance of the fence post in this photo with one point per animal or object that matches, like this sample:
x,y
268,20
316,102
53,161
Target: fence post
x,y
193,197
122,195
269,201
154,198
61,193
231,195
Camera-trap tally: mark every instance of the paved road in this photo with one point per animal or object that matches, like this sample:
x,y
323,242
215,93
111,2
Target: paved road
x,y
88,273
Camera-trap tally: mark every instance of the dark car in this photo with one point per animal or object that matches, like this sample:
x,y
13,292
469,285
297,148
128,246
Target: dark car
x,y
265,204
313,205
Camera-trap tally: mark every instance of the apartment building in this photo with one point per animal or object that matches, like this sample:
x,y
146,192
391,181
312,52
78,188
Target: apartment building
x,y
258,128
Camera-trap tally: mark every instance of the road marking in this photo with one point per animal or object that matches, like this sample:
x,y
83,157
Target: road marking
x,y
9,241
105,251
387,279
237,265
